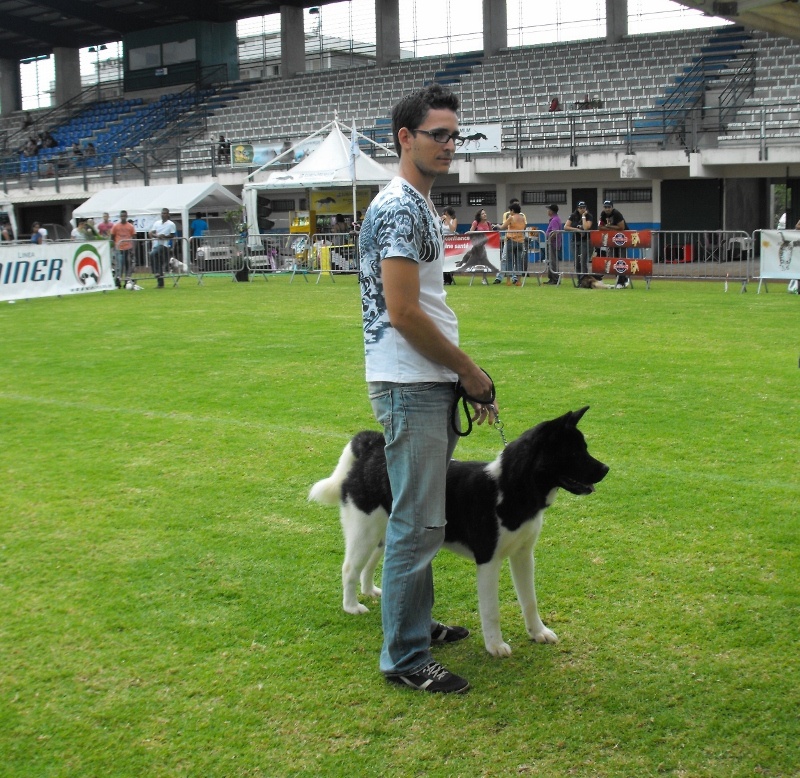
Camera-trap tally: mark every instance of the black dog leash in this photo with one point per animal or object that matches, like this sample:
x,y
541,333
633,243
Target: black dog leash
x,y
462,396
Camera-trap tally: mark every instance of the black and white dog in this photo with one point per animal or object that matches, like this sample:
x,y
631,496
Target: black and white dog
x,y
494,511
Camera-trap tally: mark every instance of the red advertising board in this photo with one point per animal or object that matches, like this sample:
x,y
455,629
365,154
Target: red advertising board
x,y
622,239
628,266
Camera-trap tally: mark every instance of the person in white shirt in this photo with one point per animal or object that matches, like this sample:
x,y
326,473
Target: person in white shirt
x,y
162,232
412,364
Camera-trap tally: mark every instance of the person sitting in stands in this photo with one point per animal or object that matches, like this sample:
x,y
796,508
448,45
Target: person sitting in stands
x,y
223,150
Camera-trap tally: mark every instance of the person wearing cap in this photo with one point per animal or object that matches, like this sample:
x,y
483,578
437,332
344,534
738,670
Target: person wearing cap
x,y
554,240
581,222
611,220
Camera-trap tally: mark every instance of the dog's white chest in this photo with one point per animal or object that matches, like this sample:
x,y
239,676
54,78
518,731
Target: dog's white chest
x,y
509,542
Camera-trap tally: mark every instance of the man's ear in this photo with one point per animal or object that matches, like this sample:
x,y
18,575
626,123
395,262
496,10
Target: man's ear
x,y
405,137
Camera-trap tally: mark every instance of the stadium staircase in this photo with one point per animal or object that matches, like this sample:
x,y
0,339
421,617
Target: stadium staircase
x,y
719,78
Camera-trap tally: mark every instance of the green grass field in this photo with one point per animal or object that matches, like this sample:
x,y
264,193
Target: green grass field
x,y
170,604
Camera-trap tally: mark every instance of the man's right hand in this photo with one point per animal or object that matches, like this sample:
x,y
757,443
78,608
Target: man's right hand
x,y
477,384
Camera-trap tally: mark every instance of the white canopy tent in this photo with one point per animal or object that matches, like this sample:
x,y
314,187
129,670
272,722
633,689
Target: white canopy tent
x,y
144,203
335,164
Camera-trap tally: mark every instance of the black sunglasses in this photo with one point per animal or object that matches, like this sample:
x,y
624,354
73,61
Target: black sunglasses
x,y
442,136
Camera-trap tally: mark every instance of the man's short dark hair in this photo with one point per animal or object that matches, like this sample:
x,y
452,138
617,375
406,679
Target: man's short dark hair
x,y
515,208
411,111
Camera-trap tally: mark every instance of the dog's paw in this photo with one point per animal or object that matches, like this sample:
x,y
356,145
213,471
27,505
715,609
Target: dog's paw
x,y
543,635
498,647
373,592
356,609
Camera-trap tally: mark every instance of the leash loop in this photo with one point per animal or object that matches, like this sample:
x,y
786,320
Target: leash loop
x,y
461,395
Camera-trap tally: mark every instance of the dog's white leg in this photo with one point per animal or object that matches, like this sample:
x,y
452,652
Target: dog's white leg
x,y
489,606
368,574
363,546
522,573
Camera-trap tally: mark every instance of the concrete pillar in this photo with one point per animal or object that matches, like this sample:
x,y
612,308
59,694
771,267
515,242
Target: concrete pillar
x,y
387,31
616,20
10,98
501,191
793,211
68,74
495,27
293,41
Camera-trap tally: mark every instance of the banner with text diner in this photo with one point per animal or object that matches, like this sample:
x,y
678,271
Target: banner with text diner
x,y
30,270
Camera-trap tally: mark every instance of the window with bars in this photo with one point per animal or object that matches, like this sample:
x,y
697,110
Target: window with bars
x,y
544,197
644,195
442,199
482,198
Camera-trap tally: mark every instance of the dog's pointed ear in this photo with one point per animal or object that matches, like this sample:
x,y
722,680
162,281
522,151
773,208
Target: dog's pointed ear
x,y
576,416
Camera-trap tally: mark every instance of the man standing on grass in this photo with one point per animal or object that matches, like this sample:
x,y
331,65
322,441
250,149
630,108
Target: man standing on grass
x,y
412,363
163,232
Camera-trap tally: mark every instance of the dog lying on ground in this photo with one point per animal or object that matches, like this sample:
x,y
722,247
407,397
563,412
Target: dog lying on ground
x,y
494,510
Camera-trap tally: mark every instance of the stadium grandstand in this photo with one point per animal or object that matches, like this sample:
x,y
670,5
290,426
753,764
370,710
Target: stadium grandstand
x,y
686,129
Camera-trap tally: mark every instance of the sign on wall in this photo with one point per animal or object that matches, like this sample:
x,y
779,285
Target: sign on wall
x,y
51,269
480,138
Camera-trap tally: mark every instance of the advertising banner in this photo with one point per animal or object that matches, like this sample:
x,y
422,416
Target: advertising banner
x,y
622,265
52,269
332,201
473,252
780,254
621,239
257,153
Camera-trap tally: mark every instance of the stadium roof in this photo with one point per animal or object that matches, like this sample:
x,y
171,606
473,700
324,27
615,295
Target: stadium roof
x,y
31,29
780,17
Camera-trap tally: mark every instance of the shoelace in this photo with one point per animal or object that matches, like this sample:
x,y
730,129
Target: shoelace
x,y
435,671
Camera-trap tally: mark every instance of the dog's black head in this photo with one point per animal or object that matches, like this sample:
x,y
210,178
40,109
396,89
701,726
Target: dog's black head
x,y
555,454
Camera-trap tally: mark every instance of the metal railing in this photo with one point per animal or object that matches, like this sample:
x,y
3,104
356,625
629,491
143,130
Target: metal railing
x,y
570,133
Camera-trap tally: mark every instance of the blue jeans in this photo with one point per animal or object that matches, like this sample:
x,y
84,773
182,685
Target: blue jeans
x,y
419,445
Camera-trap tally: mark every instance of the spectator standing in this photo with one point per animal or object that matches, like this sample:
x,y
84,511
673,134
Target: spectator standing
x,y
123,234
611,220
412,363
6,232
514,250
481,222
197,230
162,232
38,233
581,222
449,221
104,228
77,232
199,226
504,262
554,241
